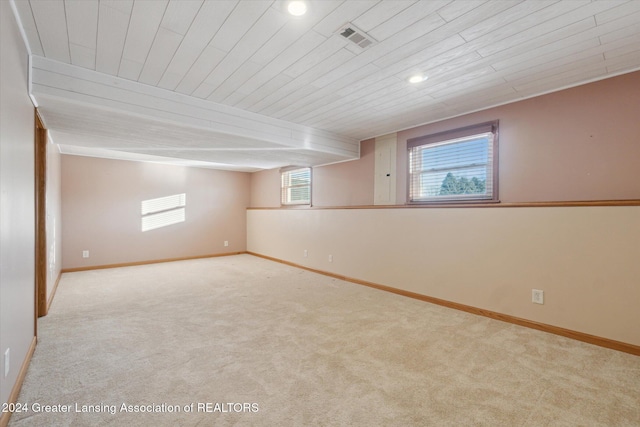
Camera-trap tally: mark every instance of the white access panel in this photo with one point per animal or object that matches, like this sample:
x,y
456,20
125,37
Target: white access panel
x,y
385,170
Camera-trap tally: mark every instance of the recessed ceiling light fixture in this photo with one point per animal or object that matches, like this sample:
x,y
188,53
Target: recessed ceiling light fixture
x,y
297,7
417,78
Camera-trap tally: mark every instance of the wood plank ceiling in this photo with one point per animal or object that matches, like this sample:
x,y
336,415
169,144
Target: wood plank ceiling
x,y
298,74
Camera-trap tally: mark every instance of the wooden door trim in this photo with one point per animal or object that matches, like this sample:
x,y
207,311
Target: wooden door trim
x,y
41,217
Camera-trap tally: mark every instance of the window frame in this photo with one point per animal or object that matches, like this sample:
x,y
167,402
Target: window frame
x,y
442,138
283,188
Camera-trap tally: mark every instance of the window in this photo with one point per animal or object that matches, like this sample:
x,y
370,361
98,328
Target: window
x,y
296,186
455,166
164,211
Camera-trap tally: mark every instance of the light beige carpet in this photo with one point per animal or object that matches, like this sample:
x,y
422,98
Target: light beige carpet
x,y
295,348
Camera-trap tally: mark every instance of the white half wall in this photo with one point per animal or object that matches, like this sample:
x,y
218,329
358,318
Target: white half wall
x,y
585,259
54,216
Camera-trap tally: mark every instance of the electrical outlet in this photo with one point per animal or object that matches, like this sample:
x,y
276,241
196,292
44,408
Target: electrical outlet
x,y
85,254
330,258
226,243
7,362
306,253
537,296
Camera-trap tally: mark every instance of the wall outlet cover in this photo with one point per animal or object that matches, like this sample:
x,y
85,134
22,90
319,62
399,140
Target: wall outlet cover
x,y
537,296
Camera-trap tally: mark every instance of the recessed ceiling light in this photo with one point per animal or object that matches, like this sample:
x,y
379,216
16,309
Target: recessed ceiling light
x,y
417,78
297,8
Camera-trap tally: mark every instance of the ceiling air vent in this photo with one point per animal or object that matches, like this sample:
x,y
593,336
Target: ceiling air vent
x,y
356,36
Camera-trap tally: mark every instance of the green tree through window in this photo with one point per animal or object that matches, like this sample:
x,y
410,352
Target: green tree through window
x,y
296,187
456,165
462,185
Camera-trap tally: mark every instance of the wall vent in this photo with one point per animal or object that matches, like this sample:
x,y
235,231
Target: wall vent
x,y
356,35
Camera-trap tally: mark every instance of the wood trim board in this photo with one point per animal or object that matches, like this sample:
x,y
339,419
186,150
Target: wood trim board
x,y
15,391
156,261
53,291
556,330
41,216
564,204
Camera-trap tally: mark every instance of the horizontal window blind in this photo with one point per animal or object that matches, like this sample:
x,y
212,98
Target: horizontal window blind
x,y
296,187
488,127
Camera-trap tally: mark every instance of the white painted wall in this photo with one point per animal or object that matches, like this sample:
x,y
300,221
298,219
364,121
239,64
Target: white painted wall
x,y
17,217
585,259
54,216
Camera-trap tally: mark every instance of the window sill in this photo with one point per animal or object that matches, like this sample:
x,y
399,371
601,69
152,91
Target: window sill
x,y
582,203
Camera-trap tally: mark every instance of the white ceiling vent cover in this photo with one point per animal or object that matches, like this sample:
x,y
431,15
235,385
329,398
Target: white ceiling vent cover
x,y
356,35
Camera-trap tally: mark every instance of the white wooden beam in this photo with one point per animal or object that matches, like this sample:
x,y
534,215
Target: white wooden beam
x,y
63,81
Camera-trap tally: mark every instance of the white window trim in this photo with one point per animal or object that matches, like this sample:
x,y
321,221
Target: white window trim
x,y
284,194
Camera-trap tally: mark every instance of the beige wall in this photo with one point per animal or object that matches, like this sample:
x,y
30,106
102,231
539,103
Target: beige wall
x,y
101,211
585,259
348,183
54,216
341,184
265,189
17,216
577,144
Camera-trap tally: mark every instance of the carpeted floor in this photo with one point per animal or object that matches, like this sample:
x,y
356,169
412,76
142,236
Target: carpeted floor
x,y
248,342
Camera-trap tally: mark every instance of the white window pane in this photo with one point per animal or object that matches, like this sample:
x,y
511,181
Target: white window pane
x,y
296,187
454,169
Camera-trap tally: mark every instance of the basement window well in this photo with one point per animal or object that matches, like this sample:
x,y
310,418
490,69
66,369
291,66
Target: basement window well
x,y
163,211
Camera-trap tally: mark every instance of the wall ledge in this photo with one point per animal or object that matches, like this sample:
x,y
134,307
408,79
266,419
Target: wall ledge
x,y
556,330
561,204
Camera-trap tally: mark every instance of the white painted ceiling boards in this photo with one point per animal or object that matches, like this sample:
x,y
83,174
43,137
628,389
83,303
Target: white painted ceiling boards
x,y
243,85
